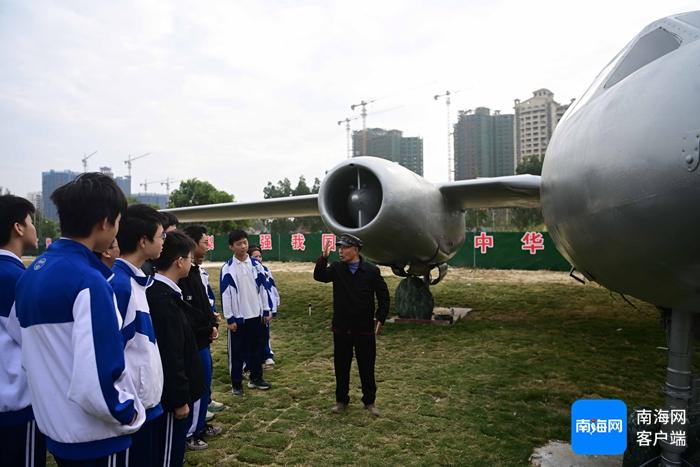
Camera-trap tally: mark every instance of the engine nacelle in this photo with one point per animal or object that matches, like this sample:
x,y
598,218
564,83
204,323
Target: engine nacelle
x,y
402,218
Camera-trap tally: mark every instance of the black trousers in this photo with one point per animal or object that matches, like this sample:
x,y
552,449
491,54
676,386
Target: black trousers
x,y
22,446
245,345
365,349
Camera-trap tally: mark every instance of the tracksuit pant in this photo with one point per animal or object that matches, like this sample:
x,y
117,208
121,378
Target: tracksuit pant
x,y
267,349
144,448
22,445
171,436
197,417
245,345
365,348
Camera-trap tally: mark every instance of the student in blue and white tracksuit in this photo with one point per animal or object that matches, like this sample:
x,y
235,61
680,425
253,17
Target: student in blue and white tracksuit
x,y
72,347
140,238
21,443
247,304
268,354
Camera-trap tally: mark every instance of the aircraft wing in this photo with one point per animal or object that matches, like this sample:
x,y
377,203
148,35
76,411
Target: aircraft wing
x,y
294,206
515,191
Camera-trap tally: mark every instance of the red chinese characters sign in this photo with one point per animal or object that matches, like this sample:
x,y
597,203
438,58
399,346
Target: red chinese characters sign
x,y
210,242
532,242
298,240
265,242
326,239
483,241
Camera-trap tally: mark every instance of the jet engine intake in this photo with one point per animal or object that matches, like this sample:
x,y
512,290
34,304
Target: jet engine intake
x,y
402,219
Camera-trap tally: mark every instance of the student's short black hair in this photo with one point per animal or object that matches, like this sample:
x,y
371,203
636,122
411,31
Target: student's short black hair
x,y
13,209
253,249
195,231
86,201
236,235
177,244
140,221
169,219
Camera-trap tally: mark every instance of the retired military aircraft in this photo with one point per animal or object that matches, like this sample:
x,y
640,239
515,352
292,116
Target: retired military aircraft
x,y
620,193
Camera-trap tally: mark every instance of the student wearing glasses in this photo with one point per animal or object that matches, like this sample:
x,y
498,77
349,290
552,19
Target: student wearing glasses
x,y
183,376
141,237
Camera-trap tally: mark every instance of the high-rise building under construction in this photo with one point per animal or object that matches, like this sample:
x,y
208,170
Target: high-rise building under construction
x,y
391,145
483,144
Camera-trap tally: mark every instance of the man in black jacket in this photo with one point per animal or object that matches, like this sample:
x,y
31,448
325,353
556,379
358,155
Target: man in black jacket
x,y
355,283
183,376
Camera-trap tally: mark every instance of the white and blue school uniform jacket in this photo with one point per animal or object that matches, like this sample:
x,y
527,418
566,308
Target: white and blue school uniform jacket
x,y
73,352
274,293
140,347
210,293
230,297
15,403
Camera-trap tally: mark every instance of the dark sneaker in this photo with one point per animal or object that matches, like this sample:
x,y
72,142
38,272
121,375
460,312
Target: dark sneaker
x,y
212,430
237,391
216,406
339,407
372,409
259,384
196,444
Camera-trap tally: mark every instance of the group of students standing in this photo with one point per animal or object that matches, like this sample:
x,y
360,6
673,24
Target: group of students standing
x,y
105,338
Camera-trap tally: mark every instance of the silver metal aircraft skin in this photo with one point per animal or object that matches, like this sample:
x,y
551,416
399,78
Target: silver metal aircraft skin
x,y
620,181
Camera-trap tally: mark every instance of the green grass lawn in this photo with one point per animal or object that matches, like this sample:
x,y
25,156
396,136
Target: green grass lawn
x,y
483,392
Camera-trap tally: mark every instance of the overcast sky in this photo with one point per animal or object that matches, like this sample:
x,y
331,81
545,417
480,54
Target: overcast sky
x,y
239,93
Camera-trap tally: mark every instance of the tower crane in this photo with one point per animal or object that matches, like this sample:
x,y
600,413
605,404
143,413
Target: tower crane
x,y
347,129
363,113
130,159
450,161
167,183
85,159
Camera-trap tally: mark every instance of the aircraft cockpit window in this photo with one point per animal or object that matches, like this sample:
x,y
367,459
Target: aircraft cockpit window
x,y
648,48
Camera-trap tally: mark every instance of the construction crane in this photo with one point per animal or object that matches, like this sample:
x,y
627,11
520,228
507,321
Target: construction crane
x,y
130,159
85,159
347,121
347,129
167,183
363,113
450,161
145,184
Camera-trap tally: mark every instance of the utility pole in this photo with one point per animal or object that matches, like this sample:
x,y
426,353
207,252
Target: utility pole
x,y
347,129
130,159
363,113
450,161
85,159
